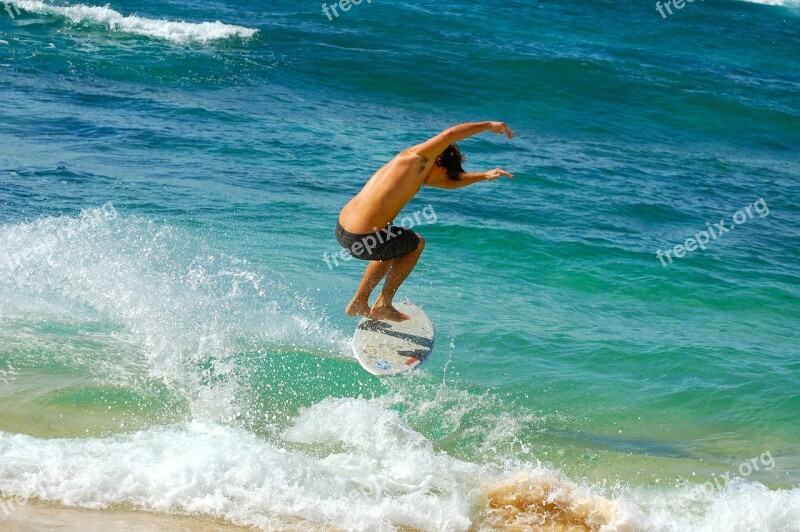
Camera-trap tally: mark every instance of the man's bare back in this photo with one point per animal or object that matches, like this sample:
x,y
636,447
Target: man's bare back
x,y
385,194
367,217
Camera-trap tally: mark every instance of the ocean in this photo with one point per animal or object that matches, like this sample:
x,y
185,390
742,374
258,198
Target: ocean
x,y
617,326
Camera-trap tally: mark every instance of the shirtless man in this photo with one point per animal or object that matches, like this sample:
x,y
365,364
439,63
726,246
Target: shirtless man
x,y
364,228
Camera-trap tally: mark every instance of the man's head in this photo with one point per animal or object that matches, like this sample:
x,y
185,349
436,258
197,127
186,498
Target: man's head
x,y
451,161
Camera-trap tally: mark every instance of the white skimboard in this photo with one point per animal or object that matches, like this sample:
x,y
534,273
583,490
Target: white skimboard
x,y
392,348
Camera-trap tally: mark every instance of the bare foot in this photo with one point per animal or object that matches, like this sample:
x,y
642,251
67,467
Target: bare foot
x,y
387,312
355,308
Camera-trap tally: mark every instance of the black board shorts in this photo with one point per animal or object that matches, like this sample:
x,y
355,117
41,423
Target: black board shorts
x,y
388,243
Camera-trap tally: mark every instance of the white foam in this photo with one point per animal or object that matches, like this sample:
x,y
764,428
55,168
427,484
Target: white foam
x,y
739,505
355,465
379,477
787,3
175,31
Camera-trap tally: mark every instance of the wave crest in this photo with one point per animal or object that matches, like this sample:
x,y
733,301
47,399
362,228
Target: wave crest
x,y
175,31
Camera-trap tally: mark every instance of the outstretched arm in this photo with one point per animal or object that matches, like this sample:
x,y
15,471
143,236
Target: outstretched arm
x,y
432,148
469,179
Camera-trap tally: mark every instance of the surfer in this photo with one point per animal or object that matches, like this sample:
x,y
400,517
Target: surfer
x,y
365,227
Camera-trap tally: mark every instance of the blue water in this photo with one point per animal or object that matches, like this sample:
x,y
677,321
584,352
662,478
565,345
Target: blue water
x,y
168,322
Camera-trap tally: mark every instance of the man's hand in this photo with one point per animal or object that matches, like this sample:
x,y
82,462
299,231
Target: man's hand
x,y
470,179
501,129
497,172
434,147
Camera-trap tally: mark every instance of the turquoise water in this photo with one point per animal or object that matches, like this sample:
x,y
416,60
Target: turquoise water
x,y
173,339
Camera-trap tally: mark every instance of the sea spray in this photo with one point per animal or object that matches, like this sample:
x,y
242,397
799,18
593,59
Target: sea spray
x,y
184,306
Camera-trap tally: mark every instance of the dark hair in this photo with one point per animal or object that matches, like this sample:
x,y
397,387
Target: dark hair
x,y
451,159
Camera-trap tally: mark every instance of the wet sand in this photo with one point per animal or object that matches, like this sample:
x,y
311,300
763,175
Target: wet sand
x,y
38,515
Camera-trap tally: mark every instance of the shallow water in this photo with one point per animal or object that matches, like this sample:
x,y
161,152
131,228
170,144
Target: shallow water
x,y
172,338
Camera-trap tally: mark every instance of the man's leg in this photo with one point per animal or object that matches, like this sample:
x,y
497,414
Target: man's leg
x,y
398,272
375,271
